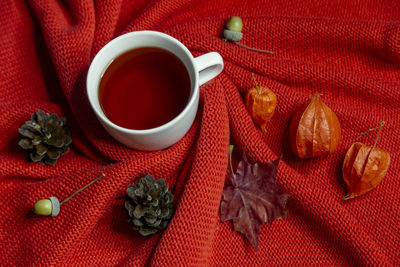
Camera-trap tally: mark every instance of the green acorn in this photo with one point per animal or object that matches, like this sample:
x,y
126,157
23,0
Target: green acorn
x,y
45,137
233,29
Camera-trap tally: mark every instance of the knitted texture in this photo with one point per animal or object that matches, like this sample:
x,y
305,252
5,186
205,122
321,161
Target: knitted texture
x,y
348,51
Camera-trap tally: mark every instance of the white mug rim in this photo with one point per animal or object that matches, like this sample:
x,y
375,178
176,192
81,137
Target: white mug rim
x,y
194,89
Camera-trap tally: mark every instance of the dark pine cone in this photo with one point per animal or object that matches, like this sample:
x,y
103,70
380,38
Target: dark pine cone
x,y
45,137
149,205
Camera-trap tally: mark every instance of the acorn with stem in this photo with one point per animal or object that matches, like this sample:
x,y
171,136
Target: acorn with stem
x,y
233,33
51,206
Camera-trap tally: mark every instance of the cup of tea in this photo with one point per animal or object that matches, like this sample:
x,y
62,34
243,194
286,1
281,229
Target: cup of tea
x,y
144,88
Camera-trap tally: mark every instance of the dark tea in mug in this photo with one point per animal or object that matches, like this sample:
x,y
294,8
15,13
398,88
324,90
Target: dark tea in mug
x,y
144,88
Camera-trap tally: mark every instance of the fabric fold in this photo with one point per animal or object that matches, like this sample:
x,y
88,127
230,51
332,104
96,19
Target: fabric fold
x,y
347,51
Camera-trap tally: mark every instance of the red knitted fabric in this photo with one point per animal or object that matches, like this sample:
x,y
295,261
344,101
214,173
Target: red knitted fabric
x,y
347,50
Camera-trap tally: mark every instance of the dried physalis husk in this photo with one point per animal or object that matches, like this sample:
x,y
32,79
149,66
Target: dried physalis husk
x,y
364,168
314,130
261,104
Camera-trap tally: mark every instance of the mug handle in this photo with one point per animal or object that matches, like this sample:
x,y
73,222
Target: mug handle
x,y
208,66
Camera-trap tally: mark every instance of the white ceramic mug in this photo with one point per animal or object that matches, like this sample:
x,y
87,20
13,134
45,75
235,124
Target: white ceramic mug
x,y
201,69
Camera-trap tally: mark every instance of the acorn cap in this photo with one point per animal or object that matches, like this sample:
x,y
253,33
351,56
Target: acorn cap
x,y
55,206
232,36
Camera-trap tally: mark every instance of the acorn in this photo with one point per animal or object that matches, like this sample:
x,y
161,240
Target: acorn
x,y
233,31
51,206
46,207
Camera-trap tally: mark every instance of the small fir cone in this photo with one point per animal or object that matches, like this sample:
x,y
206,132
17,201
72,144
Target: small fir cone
x,y
149,205
45,137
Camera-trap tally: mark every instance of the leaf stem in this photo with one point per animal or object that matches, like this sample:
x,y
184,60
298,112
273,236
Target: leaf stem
x,y
230,157
79,190
254,79
254,49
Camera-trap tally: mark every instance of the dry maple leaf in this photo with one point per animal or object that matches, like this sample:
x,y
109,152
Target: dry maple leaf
x,y
253,198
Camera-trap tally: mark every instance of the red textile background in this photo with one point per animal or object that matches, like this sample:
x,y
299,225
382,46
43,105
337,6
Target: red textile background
x,y
347,50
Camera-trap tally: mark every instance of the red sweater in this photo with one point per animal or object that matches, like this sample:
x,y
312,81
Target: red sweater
x,y
348,51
